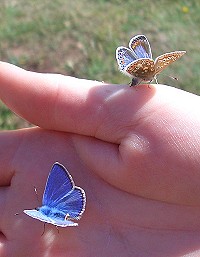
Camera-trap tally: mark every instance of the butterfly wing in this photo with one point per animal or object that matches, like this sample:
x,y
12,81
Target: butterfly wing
x,y
140,47
57,222
142,69
72,204
124,57
59,183
62,194
164,60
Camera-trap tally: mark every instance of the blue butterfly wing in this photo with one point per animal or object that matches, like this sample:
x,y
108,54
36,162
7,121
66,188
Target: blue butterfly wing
x,y
37,215
59,183
62,194
72,204
140,47
124,57
44,218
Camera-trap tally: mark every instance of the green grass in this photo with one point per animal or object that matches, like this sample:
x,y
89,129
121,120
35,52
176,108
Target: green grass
x,y
79,38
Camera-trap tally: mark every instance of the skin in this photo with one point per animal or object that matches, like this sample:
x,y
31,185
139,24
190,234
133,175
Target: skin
x,y
135,152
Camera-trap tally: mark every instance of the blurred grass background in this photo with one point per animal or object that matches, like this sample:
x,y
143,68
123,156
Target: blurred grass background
x,y
79,38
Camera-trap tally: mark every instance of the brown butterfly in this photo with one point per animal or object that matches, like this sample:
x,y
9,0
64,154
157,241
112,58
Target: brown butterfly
x,y
137,61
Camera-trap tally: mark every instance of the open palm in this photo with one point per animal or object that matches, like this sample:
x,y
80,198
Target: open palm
x,y
135,152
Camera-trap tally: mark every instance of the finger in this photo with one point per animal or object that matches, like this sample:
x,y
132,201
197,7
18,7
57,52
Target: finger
x,y
49,100
107,112
69,104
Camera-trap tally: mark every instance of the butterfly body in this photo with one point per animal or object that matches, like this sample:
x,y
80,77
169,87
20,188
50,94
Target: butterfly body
x,y
137,63
62,201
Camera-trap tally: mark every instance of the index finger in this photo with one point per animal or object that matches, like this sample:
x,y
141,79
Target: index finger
x,y
69,104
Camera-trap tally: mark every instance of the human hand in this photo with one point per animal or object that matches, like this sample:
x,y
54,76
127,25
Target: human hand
x,y
135,152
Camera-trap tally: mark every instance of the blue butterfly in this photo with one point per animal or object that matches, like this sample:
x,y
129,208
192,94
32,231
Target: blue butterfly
x,y
62,201
137,63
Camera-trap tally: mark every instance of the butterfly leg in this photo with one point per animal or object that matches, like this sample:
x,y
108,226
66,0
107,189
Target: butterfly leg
x,y
43,229
156,79
150,83
57,229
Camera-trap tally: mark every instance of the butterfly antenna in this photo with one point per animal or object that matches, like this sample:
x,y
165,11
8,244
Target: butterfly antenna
x,y
171,77
35,189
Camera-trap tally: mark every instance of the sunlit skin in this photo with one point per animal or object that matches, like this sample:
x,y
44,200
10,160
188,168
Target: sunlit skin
x,y
134,150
